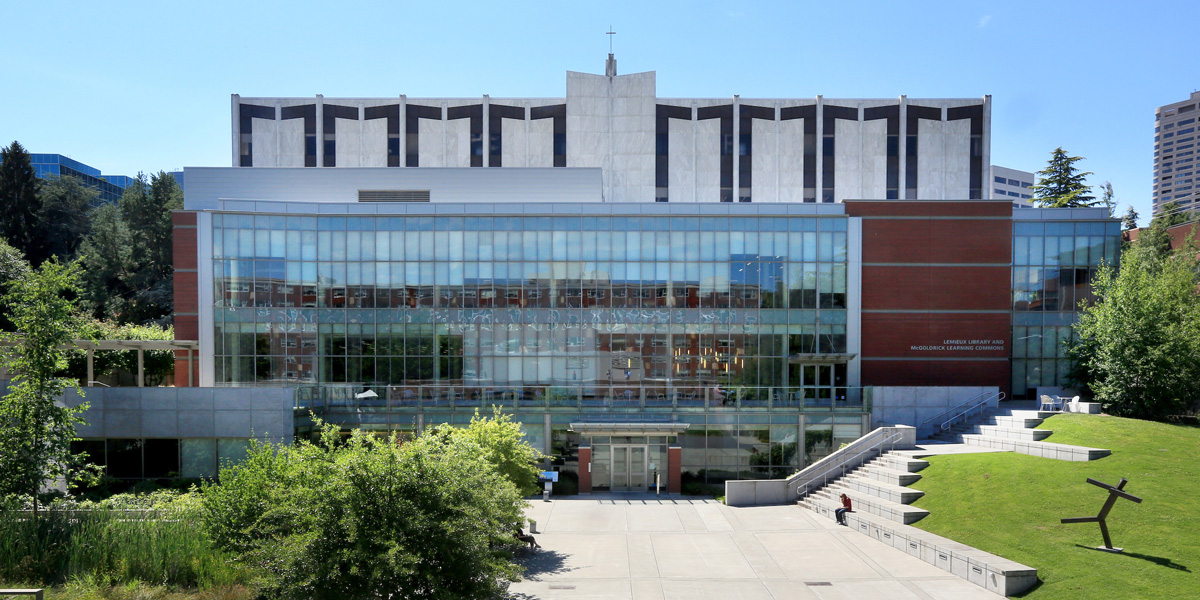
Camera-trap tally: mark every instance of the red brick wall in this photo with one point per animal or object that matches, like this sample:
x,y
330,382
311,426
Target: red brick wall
x,y
187,296
937,241
935,286
585,470
674,470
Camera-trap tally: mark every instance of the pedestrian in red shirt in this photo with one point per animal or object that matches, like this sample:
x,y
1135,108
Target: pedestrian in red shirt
x,y
840,513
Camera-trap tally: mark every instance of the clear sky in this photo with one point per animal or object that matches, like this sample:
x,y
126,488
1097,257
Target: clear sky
x,y
144,86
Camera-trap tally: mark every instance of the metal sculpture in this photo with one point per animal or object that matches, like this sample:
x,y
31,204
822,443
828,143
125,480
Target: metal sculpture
x,y
1114,492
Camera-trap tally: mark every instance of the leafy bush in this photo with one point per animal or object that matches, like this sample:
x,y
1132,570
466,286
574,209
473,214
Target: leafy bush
x,y
370,517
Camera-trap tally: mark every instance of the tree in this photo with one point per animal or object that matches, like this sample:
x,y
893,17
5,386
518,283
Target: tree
x,y
504,445
35,432
1170,215
1129,221
1060,185
146,210
20,203
1138,345
106,263
1106,198
369,517
63,219
12,268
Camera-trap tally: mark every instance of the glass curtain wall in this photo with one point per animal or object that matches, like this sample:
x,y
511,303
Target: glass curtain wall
x,y
534,311
1053,267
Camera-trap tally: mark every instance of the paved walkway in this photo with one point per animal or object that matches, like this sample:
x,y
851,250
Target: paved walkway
x,y
639,547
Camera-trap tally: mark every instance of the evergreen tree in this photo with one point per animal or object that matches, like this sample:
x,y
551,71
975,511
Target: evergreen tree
x,y
104,256
20,204
64,218
1129,221
1170,215
1060,185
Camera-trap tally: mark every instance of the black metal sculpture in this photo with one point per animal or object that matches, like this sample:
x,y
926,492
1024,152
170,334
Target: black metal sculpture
x,y
1114,492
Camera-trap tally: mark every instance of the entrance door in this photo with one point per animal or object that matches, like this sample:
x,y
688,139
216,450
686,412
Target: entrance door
x,y
629,468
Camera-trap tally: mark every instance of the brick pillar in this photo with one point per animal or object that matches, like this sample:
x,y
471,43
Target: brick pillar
x,y
187,295
674,463
585,470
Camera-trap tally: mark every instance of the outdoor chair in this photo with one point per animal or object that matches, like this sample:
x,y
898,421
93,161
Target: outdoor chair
x,y
1048,403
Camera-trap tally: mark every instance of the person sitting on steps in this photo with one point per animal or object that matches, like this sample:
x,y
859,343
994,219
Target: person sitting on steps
x,y
528,539
840,514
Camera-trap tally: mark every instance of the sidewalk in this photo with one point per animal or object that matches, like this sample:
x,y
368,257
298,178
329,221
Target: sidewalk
x,y
639,547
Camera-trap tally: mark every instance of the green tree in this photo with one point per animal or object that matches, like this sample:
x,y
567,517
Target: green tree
x,y
63,219
504,445
1061,185
1106,198
1170,215
1129,221
1138,345
105,257
369,517
12,267
146,210
35,432
20,203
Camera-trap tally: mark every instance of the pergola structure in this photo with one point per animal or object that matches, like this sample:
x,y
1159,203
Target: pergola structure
x,y
190,347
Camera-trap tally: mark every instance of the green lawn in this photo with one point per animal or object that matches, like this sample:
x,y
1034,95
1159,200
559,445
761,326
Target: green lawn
x,y
1010,505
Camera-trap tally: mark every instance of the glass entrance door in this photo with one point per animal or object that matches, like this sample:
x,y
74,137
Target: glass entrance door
x,y
629,468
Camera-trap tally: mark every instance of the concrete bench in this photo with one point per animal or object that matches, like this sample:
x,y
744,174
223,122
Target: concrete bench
x,y
31,592
1042,449
993,573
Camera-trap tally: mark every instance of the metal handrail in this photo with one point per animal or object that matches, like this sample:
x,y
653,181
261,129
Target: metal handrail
x,y
946,426
890,441
954,408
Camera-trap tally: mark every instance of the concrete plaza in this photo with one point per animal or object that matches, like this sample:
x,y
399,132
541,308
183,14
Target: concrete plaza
x,y
639,547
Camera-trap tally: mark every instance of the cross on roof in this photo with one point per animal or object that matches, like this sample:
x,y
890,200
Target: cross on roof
x,y
610,33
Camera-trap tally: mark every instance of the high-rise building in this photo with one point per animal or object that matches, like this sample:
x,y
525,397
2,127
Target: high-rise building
x,y
56,165
1175,163
1012,185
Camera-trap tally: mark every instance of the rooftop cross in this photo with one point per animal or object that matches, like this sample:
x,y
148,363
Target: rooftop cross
x,y
610,33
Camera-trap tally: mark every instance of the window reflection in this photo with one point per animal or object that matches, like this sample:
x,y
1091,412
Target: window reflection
x,y
534,310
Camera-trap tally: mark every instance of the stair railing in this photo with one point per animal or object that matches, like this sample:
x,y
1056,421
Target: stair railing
x,y
966,412
830,469
984,397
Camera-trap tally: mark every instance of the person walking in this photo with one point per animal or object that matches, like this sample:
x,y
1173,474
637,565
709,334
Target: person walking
x,y
840,514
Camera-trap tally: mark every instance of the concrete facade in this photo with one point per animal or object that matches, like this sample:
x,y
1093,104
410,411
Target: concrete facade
x,y
648,148
1012,185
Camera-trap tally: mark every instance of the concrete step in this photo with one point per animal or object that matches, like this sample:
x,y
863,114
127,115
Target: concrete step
x,y
900,462
1013,433
1042,449
881,489
886,475
1016,422
892,511
993,573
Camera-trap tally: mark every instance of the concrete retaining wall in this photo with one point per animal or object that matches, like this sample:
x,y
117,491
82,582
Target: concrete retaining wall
x,y
914,405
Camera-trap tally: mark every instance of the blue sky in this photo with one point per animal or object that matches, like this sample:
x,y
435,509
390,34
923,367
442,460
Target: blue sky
x,y
144,86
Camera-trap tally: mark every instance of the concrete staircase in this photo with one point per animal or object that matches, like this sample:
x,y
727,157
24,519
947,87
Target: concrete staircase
x,y
879,487
1012,427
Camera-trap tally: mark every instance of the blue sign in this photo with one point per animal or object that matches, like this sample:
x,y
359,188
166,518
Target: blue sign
x,y
550,476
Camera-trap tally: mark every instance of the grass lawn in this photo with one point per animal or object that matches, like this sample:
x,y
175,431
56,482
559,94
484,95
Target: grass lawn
x,y
1010,505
